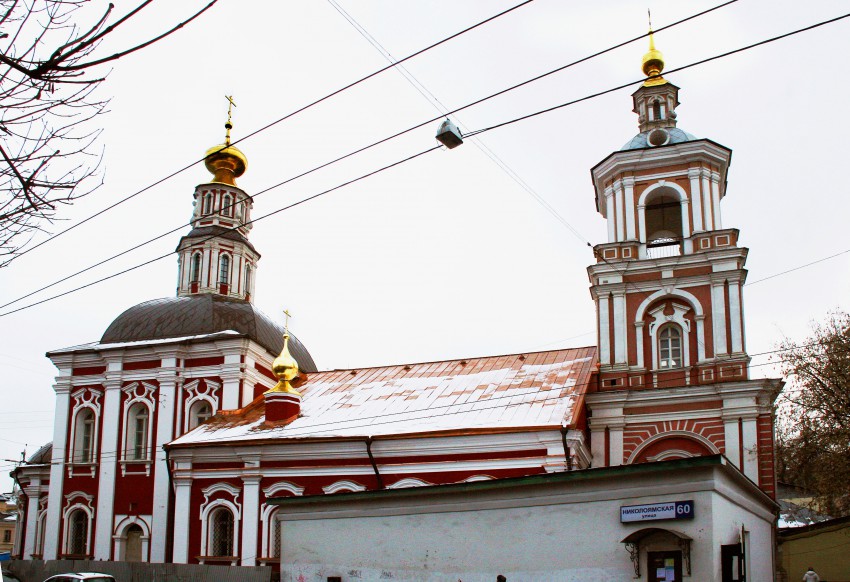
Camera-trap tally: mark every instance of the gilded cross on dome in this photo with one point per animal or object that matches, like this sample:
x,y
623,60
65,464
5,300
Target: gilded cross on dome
x,y
286,325
228,126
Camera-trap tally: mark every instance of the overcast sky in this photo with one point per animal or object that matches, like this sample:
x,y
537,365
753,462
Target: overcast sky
x,y
445,256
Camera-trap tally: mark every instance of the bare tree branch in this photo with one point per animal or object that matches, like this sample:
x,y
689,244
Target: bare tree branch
x,y
813,415
49,72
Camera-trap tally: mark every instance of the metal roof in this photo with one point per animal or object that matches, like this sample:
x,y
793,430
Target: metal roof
x,y
205,313
640,140
498,393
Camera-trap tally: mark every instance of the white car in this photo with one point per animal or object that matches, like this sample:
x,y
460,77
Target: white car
x,y
77,576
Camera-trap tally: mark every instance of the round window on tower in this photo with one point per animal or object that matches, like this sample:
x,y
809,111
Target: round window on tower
x,y
658,137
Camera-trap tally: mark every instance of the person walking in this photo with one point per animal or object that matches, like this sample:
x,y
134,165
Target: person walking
x,y
811,576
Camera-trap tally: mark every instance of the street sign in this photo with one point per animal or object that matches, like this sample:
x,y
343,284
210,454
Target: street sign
x,y
657,511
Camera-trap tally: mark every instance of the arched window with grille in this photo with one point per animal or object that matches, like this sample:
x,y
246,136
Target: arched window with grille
x,y
207,206
199,412
227,205
196,268
220,531
138,426
78,533
670,347
656,110
224,269
84,437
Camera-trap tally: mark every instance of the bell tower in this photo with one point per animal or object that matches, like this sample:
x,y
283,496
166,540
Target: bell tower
x,y
668,292
216,256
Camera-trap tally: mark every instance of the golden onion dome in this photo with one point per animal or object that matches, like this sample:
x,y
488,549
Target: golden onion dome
x,y
285,369
652,64
226,163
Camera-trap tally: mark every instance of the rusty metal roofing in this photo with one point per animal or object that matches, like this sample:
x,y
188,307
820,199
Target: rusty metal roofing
x,y
498,393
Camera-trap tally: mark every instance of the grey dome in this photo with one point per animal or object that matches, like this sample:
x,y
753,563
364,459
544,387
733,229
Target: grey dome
x,y
206,313
640,140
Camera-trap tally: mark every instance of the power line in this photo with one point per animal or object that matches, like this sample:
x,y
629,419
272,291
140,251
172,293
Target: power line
x,y
441,108
273,123
252,221
509,122
384,140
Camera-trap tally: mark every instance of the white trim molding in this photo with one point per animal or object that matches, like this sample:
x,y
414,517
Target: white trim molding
x,y
408,482
342,486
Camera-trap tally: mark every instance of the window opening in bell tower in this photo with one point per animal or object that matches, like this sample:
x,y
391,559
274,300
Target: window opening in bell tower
x,y
664,225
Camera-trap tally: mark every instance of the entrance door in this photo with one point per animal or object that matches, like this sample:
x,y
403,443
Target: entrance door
x,y
134,544
664,566
732,563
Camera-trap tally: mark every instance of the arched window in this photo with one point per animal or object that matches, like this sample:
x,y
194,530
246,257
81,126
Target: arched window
x,y
221,532
84,437
40,525
670,347
664,222
138,423
224,269
227,205
196,268
207,207
78,533
247,279
656,109
199,412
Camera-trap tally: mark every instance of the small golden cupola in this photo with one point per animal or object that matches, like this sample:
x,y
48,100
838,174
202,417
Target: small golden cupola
x,y
283,402
656,99
224,161
652,64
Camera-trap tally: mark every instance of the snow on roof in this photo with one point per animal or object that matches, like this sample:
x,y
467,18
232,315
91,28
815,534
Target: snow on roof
x,y
170,340
541,389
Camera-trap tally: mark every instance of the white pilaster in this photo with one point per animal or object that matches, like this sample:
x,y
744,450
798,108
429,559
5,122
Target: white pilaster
x,y
642,226
715,199
604,331
735,317
621,218
182,509
57,468
230,376
686,219
750,445
609,214
250,519
597,447
615,438
700,337
639,343
110,452
33,491
164,435
696,208
620,348
718,319
733,441
707,204
629,194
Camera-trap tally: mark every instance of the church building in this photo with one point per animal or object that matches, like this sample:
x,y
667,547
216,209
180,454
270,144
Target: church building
x,y
183,432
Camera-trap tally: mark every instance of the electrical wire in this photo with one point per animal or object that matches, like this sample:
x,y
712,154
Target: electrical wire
x,y
214,236
273,123
490,128
384,140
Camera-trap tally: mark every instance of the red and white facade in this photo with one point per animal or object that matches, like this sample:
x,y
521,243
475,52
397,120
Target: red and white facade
x,y
673,367
167,449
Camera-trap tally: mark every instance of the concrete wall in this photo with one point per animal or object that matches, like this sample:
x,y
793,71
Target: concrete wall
x,y
537,529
